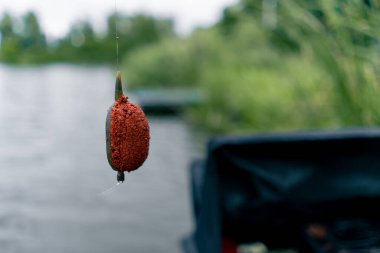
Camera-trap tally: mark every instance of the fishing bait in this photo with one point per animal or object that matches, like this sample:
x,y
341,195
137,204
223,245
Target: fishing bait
x,y
127,134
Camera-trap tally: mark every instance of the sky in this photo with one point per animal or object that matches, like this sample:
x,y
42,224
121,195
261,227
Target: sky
x,y
56,16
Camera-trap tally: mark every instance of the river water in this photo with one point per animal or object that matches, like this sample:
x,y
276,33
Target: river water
x,y
53,166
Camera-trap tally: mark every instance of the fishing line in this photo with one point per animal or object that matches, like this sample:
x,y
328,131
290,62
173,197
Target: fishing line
x,y
116,38
117,68
109,189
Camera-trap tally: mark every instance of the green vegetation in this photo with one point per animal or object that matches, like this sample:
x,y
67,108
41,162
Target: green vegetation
x,y
301,65
23,42
266,66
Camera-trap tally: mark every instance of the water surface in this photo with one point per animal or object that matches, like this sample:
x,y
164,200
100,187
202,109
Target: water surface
x,y
53,166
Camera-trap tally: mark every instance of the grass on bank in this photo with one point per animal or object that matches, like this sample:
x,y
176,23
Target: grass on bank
x,y
311,71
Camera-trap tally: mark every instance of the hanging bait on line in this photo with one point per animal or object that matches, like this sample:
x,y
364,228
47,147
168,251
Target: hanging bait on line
x,y
127,134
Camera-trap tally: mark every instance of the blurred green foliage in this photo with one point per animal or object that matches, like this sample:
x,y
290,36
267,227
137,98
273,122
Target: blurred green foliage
x,y
267,65
23,42
276,65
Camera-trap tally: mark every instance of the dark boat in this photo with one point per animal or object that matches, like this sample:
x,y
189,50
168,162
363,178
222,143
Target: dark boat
x,y
311,192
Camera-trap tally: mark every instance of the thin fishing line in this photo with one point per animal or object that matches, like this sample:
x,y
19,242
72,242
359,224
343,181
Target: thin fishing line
x,y
116,38
109,189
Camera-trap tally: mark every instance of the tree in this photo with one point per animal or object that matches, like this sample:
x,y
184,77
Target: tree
x,y
6,26
10,42
32,36
138,30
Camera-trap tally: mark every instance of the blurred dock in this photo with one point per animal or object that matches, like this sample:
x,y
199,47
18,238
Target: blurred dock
x,y
166,101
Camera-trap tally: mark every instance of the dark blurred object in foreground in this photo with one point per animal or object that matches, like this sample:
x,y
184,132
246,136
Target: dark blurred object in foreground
x,y
312,192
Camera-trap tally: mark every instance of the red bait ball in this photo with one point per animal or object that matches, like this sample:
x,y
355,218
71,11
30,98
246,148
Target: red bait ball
x,y
127,131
